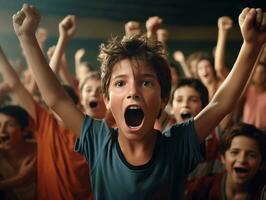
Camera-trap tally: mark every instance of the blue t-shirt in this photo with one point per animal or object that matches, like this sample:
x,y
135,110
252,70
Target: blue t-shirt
x,y
176,153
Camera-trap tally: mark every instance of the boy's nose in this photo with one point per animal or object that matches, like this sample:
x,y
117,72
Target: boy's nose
x,y
133,93
185,103
242,158
2,129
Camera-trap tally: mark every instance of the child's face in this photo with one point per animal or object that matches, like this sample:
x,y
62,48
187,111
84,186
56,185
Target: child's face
x,y
134,98
242,160
92,99
205,71
186,103
10,132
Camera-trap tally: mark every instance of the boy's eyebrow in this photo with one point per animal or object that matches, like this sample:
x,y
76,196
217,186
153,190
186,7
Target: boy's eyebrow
x,y
247,150
148,75
179,95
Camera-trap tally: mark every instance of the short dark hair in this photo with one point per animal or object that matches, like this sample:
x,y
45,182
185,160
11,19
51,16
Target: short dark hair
x,y
71,93
247,130
139,48
17,112
195,84
91,75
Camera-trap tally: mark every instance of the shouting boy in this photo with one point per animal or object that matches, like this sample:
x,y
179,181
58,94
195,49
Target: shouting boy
x,y
134,161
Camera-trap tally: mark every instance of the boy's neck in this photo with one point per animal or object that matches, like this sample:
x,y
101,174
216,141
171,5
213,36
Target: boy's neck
x,y
137,152
235,191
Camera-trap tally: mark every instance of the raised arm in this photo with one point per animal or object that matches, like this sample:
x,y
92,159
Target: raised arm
x,y
11,78
65,73
180,58
224,25
67,28
152,25
132,27
25,23
252,23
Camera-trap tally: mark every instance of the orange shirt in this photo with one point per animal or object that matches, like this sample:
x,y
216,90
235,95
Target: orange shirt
x,y
61,172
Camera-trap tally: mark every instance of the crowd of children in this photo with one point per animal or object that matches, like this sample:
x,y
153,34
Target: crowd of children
x,y
136,129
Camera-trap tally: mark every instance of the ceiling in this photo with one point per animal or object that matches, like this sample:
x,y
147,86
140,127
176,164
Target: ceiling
x,y
174,12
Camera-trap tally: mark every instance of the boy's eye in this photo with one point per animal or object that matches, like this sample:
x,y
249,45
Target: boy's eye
x,y
252,155
11,124
194,99
179,100
233,153
119,83
88,90
147,83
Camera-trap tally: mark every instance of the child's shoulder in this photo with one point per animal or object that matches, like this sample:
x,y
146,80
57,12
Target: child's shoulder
x,y
180,127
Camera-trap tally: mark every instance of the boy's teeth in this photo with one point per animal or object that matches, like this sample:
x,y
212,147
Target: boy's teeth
x,y
134,107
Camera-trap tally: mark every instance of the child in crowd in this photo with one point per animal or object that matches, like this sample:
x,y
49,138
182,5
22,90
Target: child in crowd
x,y
92,97
60,170
243,153
17,156
134,161
254,110
189,97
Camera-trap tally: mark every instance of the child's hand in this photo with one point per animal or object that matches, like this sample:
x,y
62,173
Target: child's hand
x,y
153,23
67,26
252,23
225,23
79,54
179,56
26,21
27,166
132,27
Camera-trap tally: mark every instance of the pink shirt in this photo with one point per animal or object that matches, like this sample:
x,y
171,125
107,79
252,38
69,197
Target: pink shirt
x,y
255,108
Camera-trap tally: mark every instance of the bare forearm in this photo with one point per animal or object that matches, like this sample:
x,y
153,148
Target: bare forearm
x,y
8,73
186,69
220,66
65,73
11,183
234,84
57,55
49,86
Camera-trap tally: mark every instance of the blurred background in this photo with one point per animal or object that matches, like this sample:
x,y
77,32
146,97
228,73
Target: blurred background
x,y
192,24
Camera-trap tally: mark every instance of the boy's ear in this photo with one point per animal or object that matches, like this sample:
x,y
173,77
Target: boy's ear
x,y
106,102
222,158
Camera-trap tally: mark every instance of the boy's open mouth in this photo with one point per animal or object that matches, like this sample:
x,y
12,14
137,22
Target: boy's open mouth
x,y
241,170
4,138
185,115
93,104
134,116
